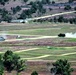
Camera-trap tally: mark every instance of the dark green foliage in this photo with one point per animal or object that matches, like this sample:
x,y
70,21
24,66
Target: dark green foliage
x,y
25,14
16,9
5,15
55,19
4,12
50,9
31,2
8,61
34,73
40,8
7,18
19,65
34,7
74,8
25,1
3,1
60,19
12,61
61,67
67,7
53,2
72,20
66,20
70,1
1,66
45,1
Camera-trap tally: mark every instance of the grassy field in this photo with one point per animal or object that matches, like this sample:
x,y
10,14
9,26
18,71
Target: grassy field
x,y
42,29
54,53
46,28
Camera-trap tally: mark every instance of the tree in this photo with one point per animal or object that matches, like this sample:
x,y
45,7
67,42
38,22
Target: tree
x,y
7,18
1,66
74,8
18,8
55,19
61,67
45,1
60,19
40,7
5,15
12,61
70,1
25,1
3,1
8,61
34,7
53,2
18,64
34,73
67,7
31,2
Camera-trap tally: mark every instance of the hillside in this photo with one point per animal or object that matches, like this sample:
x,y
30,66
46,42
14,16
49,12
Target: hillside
x,y
18,9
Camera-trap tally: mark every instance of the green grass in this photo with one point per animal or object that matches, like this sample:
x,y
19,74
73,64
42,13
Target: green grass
x,y
71,40
53,51
48,29
38,28
68,57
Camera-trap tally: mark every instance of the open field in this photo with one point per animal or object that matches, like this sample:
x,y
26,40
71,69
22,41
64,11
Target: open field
x,y
39,35
39,41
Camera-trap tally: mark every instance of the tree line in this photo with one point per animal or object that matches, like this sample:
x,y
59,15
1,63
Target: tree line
x,y
59,19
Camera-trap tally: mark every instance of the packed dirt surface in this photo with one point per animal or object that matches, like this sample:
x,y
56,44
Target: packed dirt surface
x,y
26,50
40,66
37,41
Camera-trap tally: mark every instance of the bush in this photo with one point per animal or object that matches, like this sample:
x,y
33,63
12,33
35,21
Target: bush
x,y
74,8
67,7
25,1
34,73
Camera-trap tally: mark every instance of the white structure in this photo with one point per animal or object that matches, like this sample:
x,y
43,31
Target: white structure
x,y
17,21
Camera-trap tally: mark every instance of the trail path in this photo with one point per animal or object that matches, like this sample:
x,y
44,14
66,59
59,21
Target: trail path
x,y
51,15
68,54
42,37
26,50
48,56
37,57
